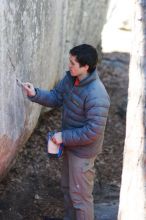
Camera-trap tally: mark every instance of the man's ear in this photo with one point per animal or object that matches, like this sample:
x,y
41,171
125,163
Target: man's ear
x,y
86,67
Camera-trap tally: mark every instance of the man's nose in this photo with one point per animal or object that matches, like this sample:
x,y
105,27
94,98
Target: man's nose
x,y
69,65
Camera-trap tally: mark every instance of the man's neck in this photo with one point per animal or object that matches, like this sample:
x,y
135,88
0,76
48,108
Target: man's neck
x,y
83,76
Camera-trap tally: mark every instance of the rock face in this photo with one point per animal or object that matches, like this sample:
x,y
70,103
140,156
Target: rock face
x,y
35,38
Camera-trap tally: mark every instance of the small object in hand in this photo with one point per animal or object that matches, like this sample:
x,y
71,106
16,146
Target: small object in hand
x,y
54,150
19,83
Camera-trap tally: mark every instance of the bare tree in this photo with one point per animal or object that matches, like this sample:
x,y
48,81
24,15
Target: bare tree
x,y
133,189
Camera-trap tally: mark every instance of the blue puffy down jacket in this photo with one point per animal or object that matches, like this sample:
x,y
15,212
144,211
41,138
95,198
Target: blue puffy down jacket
x,y
84,112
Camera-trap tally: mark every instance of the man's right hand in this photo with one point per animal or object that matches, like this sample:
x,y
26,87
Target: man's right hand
x,y
29,89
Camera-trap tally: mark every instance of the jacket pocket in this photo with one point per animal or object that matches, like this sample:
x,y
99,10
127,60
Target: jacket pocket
x,y
75,102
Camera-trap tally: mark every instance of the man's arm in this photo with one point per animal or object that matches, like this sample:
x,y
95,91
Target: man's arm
x,y
96,115
52,98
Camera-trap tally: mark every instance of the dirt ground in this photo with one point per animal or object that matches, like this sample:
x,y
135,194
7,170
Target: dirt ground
x,y
32,187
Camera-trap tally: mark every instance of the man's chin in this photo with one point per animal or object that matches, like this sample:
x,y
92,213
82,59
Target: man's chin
x,y
72,74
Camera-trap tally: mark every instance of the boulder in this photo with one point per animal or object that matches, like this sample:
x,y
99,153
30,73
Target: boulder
x,y
36,36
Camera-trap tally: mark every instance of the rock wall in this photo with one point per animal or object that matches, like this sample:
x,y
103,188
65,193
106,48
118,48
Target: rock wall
x,y
34,42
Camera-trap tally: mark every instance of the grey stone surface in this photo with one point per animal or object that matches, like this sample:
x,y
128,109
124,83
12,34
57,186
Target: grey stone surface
x,y
106,211
34,42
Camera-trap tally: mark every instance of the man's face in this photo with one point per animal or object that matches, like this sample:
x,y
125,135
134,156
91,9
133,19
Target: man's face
x,y
75,68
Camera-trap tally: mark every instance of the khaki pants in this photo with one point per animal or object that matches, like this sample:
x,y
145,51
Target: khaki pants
x,y
77,185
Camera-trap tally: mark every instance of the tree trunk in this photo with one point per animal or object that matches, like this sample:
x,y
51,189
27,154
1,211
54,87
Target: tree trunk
x,y
133,189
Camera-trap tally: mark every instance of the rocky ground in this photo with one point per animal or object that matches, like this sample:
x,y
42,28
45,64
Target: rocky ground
x,y
32,187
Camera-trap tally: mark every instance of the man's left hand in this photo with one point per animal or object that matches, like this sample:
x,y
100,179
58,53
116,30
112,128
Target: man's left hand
x,y
57,138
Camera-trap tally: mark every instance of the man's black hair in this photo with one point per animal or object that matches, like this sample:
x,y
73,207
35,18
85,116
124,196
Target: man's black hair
x,y
85,55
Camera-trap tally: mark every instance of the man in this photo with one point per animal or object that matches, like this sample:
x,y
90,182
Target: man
x,y
85,105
